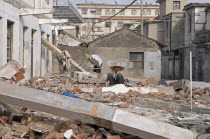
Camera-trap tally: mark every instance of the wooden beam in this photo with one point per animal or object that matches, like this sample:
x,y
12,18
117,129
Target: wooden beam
x,y
59,53
53,21
29,11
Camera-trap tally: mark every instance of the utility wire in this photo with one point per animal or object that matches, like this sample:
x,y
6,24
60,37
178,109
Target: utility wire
x,y
92,29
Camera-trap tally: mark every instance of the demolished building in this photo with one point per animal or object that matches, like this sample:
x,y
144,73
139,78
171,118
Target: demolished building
x,y
22,25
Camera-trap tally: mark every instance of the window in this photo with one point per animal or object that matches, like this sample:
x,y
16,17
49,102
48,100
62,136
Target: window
x,y
134,12
137,60
84,11
113,12
120,24
107,12
148,12
9,40
143,12
99,11
156,12
84,28
97,29
122,13
176,5
93,11
108,24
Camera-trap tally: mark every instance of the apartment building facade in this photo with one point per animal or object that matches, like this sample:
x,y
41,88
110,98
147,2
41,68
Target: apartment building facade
x,y
95,14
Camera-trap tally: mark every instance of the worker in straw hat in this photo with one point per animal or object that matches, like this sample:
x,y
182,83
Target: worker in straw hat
x,y
116,77
96,62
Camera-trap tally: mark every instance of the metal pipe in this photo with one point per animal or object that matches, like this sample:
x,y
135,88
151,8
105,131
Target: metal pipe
x,y
191,78
142,24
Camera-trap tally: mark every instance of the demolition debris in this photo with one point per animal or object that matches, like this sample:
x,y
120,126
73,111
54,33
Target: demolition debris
x,y
92,88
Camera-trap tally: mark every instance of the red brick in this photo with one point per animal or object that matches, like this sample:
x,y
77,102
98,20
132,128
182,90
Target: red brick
x,y
125,105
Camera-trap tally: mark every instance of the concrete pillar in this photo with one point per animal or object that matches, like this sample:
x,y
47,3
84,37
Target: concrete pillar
x,y
16,42
37,53
43,57
4,41
27,53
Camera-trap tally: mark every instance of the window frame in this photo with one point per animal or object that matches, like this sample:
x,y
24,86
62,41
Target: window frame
x,y
99,11
107,12
143,12
148,12
84,10
157,12
134,12
113,12
137,61
175,4
119,25
122,13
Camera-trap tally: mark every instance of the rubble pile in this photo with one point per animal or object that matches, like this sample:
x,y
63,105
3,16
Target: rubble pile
x,y
93,89
12,72
33,124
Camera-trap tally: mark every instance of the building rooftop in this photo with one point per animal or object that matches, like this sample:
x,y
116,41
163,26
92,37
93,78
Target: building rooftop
x,y
128,17
191,5
114,5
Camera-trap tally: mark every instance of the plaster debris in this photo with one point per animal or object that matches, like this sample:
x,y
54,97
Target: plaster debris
x,y
12,72
68,134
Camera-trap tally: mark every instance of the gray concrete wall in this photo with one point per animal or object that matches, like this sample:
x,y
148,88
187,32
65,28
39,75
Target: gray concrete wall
x,y
174,27
22,50
153,31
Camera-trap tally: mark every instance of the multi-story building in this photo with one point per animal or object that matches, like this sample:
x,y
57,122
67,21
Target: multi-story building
x,y
96,14
164,27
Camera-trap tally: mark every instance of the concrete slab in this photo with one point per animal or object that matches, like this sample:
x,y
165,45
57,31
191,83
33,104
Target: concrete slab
x,y
94,113
163,105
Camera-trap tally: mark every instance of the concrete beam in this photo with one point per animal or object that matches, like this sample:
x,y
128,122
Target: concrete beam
x,y
63,27
53,21
29,11
94,113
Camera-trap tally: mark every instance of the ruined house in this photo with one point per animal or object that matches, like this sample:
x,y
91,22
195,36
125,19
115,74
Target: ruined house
x,y
20,36
22,25
141,58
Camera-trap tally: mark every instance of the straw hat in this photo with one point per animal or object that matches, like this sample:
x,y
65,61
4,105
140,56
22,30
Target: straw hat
x,y
118,65
87,56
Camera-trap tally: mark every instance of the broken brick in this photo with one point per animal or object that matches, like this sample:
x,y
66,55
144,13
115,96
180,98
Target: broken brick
x,y
143,114
113,137
125,105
